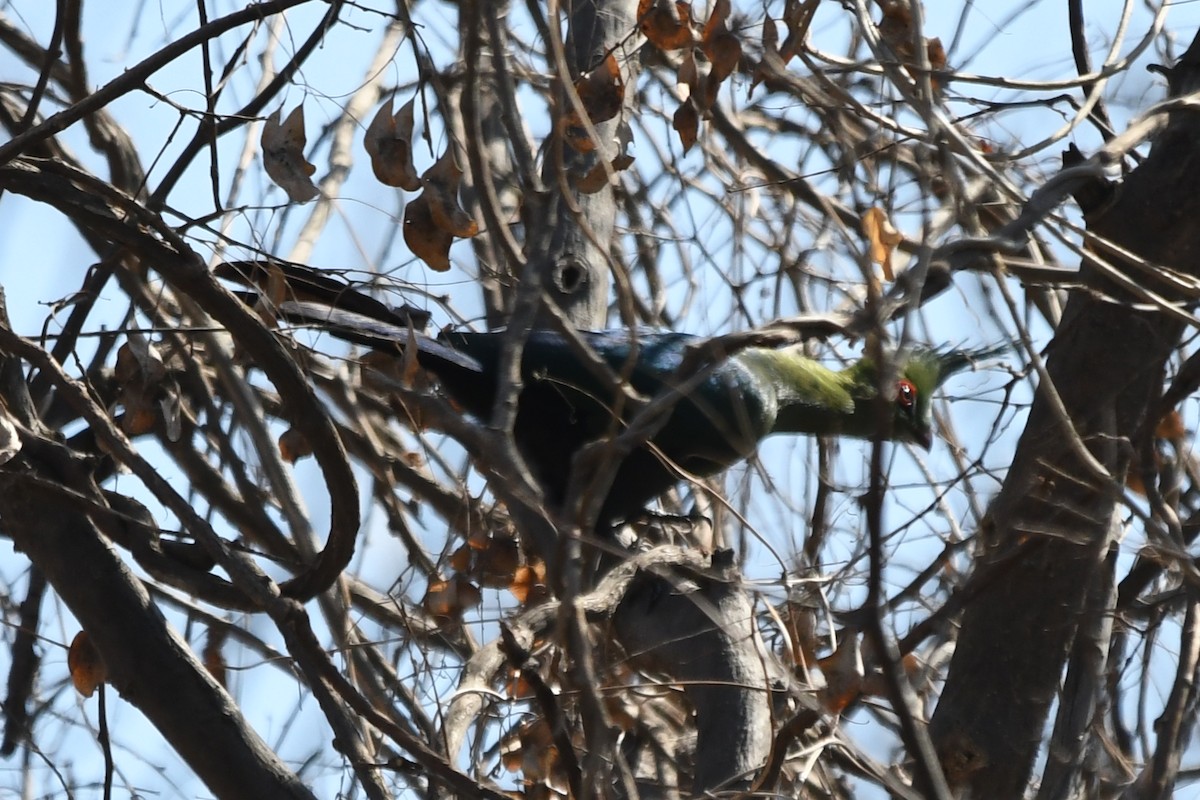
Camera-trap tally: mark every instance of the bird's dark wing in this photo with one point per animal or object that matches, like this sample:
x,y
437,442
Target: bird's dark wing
x,y
551,366
718,422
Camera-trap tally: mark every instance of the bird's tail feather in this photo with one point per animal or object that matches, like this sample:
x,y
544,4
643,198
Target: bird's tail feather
x,y
333,305
382,336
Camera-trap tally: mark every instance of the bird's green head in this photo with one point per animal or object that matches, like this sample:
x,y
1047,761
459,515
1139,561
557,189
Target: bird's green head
x,y
920,371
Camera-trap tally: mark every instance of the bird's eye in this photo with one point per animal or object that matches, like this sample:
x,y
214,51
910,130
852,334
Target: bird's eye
x,y
906,395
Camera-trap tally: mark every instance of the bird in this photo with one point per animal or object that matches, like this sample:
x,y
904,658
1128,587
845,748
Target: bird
x,y
728,407
731,406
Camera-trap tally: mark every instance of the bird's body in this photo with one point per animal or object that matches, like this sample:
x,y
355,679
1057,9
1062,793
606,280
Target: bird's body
x,y
564,404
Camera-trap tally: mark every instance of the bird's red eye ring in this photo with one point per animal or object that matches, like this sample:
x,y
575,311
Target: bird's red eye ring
x,y
906,394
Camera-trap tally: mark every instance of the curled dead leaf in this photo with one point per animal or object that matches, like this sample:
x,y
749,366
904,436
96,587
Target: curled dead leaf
x,y
716,20
687,123
294,445
389,144
529,584
85,665
724,52
170,409
723,49
283,156
214,657
798,17
441,183
451,598
883,239
602,93
688,77
425,239
667,24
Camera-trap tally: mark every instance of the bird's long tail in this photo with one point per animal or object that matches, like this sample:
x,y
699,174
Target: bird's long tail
x,y
335,307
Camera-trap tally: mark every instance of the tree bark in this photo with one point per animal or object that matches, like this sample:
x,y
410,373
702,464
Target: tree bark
x,y
570,230
1106,365
701,631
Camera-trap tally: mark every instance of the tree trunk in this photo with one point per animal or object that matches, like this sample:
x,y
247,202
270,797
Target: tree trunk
x,y
1106,367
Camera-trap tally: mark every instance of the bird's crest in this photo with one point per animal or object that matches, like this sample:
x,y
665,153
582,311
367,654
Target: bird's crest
x,y
929,367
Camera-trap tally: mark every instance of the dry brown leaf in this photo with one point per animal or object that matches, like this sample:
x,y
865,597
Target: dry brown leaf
x,y
770,36
716,21
688,77
1171,426
411,367
770,48
667,28
294,445
170,409
797,18
214,658
441,188
138,362
424,238
451,598
591,181
529,584
602,93
277,289
687,122
139,418
724,52
85,665
896,30
389,143
283,156
844,672
883,238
